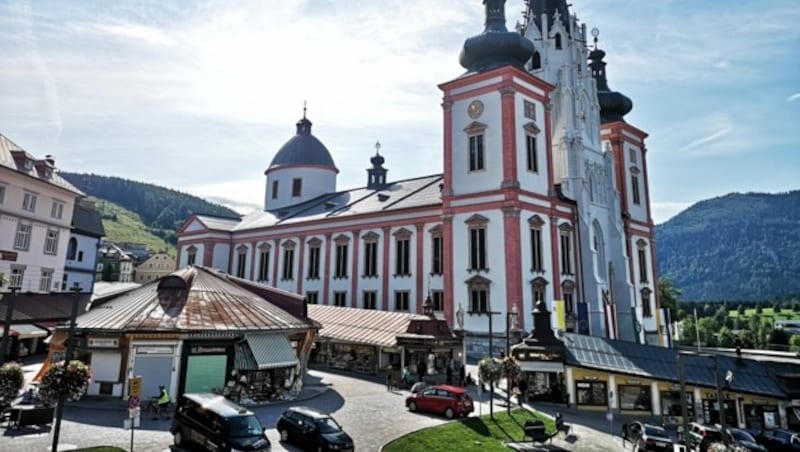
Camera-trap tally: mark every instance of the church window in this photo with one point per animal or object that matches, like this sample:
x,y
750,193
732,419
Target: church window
x,y
567,293
647,310
313,259
477,242
476,153
632,155
341,257
340,299
370,254
401,300
312,297
288,262
437,297
539,289
370,297
537,260
635,189
72,249
263,262
241,261
274,189
566,249
297,187
536,61
402,252
558,41
642,254
533,163
437,256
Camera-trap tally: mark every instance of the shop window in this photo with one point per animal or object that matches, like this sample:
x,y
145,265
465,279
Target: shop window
x,y
591,393
671,403
634,397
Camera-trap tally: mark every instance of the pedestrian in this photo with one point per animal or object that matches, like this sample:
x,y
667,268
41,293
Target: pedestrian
x,y
462,378
449,375
421,370
523,390
389,378
162,403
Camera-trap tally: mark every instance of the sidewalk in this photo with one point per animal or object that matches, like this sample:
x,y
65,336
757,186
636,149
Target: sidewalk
x,y
313,386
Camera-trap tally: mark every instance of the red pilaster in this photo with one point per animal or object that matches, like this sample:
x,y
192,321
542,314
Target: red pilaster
x,y
385,272
354,270
447,277
420,271
447,109
509,138
327,272
513,254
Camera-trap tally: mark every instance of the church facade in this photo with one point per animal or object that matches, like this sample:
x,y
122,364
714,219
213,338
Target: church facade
x,y
543,196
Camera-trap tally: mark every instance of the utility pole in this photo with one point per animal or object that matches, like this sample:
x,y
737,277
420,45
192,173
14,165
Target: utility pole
x,y
684,408
721,403
76,290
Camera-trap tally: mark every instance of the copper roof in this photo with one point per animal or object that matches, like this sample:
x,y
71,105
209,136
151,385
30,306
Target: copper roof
x,y
361,326
193,299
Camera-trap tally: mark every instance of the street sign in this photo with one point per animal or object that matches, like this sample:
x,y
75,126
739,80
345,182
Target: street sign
x,y
126,423
8,256
134,413
135,386
134,401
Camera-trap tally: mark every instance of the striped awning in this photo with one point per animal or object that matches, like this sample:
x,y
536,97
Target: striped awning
x,y
271,351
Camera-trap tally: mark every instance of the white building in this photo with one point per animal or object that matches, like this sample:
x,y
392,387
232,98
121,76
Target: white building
x,y
84,241
36,206
543,196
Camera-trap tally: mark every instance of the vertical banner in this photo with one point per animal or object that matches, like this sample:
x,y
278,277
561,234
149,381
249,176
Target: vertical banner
x,y
583,318
666,324
561,321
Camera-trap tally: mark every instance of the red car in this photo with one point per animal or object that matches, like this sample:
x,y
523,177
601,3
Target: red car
x,y
449,400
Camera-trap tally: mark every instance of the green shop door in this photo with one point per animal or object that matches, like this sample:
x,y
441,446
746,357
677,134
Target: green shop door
x,y
204,373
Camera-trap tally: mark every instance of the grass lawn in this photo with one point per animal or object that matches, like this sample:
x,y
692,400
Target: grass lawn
x,y
471,433
767,313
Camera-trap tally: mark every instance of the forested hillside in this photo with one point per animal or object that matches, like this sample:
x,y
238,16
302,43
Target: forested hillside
x,y
735,247
160,209
123,226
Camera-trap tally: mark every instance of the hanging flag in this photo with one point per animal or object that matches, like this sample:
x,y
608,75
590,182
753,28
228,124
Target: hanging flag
x,y
561,321
583,318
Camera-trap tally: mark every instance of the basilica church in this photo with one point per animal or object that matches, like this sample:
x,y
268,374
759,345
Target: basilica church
x,y
543,200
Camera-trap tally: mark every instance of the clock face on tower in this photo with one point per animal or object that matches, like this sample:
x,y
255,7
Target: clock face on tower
x,y
475,109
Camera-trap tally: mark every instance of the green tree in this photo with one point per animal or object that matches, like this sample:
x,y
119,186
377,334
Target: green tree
x,y
668,295
759,309
779,336
725,338
708,330
12,378
776,307
794,343
740,310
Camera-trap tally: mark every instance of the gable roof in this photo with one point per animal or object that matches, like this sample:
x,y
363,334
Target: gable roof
x,y
361,326
192,299
12,156
86,220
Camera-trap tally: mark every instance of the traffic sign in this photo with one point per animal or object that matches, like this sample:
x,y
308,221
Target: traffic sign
x,y
135,386
134,401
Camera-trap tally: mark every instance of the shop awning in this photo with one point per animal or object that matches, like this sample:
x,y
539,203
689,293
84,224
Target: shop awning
x,y
28,331
271,351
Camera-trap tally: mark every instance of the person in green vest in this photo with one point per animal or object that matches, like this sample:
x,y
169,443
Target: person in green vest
x,y
162,403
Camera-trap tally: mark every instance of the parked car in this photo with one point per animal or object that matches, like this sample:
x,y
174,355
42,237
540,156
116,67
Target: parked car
x,y
631,431
313,430
744,440
216,423
700,436
653,438
781,440
449,400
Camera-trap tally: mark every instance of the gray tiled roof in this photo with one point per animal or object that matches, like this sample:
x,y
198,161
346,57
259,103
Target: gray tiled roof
x,y
403,194
7,160
86,220
630,358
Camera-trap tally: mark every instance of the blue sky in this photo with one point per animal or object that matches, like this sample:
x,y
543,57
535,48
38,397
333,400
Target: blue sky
x,y
198,96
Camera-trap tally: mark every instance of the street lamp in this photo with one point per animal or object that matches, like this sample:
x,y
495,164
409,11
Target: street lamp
x,y
511,325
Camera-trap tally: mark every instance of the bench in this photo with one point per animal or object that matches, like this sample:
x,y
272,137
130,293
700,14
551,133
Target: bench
x,y
536,430
25,416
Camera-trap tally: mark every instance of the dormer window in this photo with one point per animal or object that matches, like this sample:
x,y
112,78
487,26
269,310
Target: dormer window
x,y
28,164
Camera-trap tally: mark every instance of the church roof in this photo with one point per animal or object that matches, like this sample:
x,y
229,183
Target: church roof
x,y
303,149
403,194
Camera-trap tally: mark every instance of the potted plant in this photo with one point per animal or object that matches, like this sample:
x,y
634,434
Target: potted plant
x,y
72,380
12,378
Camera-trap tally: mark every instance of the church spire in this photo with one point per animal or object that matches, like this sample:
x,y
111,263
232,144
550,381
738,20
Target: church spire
x,y
496,46
376,176
613,104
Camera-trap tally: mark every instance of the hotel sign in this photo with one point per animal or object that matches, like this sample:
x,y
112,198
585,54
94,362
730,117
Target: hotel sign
x,y
8,256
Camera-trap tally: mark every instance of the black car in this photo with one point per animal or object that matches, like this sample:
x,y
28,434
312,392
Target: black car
x,y
780,440
215,423
654,439
313,430
744,440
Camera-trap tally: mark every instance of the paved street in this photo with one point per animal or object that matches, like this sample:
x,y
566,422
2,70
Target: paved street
x,y
367,411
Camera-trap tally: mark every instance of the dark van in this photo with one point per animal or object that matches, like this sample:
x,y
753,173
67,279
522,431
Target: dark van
x,y
215,423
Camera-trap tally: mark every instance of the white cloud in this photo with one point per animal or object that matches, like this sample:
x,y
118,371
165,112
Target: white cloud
x,y
138,32
793,97
706,140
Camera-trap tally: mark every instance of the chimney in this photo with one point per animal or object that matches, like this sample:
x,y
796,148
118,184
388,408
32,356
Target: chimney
x,y
50,160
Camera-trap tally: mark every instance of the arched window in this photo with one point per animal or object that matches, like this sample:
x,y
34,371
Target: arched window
x,y
558,41
536,61
72,249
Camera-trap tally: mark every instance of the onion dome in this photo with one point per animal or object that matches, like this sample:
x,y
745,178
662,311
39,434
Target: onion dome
x,y
613,104
303,149
552,9
496,46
